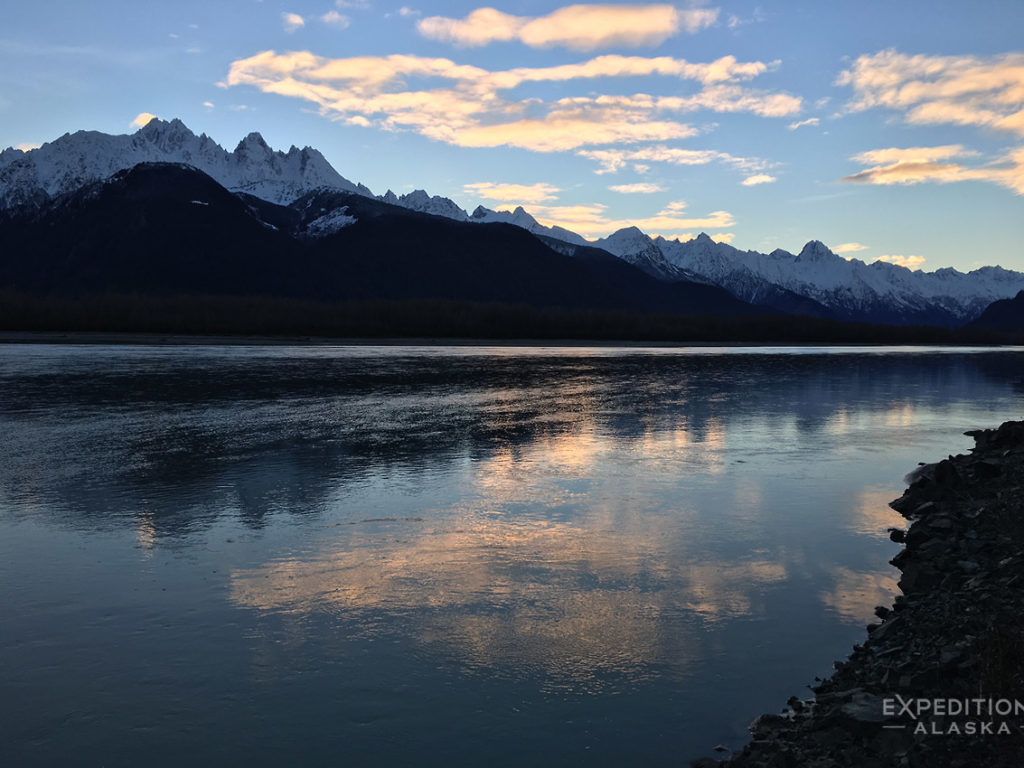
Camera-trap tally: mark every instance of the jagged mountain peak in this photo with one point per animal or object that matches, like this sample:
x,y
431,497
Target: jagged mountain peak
x,y
628,240
84,157
420,200
631,231
815,250
254,141
520,218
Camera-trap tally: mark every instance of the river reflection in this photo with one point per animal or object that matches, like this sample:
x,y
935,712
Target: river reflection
x,y
586,554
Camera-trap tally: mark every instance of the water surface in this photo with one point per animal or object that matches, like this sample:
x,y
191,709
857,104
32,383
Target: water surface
x,y
438,555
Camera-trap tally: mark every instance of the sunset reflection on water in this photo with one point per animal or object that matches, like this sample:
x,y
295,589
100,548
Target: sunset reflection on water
x,y
360,551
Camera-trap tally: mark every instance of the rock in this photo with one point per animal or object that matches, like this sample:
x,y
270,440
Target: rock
x,y
865,707
956,630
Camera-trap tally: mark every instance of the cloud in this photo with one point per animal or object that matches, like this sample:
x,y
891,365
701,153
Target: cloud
x,y
513,193
27,146
564,131
335,19
292,22
466,105
760,178
849,248
800,123
142,119
910,262
640,188
407,12
718,237
353,4
612,160
941,90
208,104
578,27
735,22
917,165
911,155
592,220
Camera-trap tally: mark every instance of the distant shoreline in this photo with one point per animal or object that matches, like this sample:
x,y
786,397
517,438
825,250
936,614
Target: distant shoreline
x,y
100,338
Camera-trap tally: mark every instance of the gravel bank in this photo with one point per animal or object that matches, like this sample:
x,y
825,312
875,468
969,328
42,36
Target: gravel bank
x,y
939,681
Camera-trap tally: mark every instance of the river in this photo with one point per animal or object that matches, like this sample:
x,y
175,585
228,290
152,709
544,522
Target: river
x,y
448,555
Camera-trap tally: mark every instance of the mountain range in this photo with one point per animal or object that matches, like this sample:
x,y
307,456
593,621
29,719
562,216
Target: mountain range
x,y
258,220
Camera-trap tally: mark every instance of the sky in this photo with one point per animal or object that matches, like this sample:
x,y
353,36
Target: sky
x,y
887,130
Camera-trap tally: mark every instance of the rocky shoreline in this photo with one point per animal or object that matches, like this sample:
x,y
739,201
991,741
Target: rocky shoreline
x,y
939,681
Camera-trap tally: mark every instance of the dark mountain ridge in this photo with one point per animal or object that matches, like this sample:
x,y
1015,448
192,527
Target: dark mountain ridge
x,y
163,229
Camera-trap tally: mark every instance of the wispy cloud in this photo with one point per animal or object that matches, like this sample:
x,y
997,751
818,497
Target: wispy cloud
x,y
592,221
613,160
718,237
801,123
142,119
759,178
941,90
942,165
578,27
910,262
353,4
735,22
208,104
470,109
335,19
513,193
640,188
849,248
292,22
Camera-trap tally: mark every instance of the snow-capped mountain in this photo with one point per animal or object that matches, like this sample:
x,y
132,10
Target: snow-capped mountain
x,y
814,282
849,288
633,246
418,200
76,159
521,218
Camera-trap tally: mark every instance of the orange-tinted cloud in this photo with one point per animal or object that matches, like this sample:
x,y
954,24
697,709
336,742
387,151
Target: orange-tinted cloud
x,y
613,160
470,108
592,220
142,119
640,188
910,262
578,27
849,248
941,90
758,178
917,165
513,193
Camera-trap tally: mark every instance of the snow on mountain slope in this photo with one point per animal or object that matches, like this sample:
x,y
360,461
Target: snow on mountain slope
x,y
418,200
816,281
633,246
850,288
521,218
77,159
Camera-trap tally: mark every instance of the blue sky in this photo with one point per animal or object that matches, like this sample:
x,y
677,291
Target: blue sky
x,y
885,129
